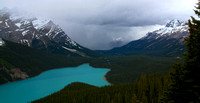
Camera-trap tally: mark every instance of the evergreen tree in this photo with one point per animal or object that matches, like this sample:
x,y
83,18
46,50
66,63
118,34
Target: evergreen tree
x,y
191,65
174,90
185,83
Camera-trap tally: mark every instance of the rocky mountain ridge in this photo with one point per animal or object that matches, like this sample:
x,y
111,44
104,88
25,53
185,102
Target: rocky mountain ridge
x,y
42,34
167,41
173,29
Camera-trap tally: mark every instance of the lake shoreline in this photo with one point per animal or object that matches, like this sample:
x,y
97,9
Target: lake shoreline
x,y
53,81
104,77
41,73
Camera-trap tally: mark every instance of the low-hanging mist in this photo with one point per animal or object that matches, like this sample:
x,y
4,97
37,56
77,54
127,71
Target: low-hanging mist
x,y
101,24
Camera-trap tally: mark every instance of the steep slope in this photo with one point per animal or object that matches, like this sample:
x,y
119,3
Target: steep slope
x,y
167,41
39,33
18,61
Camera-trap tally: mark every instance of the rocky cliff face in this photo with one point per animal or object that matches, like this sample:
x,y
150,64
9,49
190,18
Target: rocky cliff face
x,y
9,75
39,33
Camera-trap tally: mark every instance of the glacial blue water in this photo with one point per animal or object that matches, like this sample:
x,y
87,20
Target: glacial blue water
x,y
49,82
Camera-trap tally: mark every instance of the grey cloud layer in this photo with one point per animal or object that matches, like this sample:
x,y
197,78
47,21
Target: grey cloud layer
x,y
95,23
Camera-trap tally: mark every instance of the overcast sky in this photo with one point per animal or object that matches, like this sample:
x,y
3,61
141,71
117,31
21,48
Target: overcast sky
x,y
97,24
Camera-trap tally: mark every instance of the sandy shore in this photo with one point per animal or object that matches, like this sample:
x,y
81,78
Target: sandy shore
x,y
104,77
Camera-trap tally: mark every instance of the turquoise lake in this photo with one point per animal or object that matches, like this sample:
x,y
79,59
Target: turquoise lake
x,y
49,82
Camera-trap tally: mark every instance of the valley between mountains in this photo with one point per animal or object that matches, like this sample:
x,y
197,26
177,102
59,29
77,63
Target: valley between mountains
x,y
31,45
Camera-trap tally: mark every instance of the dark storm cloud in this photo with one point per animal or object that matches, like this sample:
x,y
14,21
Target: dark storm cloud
x,y
96,23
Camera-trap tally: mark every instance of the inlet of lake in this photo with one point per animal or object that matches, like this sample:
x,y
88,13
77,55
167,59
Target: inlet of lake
x,y
49,82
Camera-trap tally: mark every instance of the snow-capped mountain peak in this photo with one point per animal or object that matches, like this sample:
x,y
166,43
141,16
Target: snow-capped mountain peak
x,y
173,29
38,33
175,23
167,41
39,23
36,28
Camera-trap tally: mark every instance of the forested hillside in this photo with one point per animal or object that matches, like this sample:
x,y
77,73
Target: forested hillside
x,y
125,69
181,85
30,61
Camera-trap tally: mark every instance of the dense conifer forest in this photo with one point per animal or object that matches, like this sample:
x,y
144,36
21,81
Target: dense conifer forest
x,y
33,62
180,85
145,90
125,69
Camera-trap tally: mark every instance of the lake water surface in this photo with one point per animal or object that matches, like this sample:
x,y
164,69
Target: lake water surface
x,y
49,82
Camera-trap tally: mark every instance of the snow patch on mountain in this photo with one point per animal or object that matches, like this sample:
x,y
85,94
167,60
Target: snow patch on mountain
x,y
72,42
74,51
6,22
15,17
1,42
40,23
18,25
25,32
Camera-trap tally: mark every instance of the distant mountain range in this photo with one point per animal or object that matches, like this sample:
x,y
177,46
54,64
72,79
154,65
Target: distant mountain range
x,y
21,37
42,34
167,41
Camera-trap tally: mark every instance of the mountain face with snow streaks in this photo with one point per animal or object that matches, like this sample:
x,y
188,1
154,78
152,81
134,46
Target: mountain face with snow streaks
x,y
39,33
173,29
167,41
